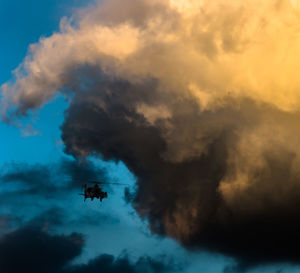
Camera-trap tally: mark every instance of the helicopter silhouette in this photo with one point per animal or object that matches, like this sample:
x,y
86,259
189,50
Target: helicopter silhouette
x,y
96,191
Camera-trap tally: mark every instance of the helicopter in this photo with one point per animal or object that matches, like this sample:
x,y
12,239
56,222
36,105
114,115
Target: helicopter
x,y
96,191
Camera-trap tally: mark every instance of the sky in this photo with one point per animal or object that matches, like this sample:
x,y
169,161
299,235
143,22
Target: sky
x,y
193,104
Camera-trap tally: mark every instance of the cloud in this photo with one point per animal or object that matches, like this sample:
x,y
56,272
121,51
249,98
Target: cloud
x,y
27,190
200,100
55,216
110,264
54,254
50,179
203,51
188,200
48,253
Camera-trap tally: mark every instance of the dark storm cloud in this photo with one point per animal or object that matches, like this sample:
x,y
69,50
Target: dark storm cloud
x,y
35,251
182,198
30,249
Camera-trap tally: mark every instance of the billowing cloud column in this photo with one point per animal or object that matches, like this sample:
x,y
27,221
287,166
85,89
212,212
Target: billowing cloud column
x,y
200,99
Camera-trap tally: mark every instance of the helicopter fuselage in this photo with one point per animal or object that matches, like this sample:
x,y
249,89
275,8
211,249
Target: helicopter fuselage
x,y
94,192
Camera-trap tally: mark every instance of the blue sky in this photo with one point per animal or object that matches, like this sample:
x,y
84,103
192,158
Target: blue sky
x,y
37,140
19,28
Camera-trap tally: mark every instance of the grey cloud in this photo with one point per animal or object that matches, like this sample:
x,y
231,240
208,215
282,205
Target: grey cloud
x,y
54,216
27,190
50,179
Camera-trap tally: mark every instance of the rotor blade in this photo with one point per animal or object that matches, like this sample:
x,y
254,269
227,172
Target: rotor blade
x,y
108,183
